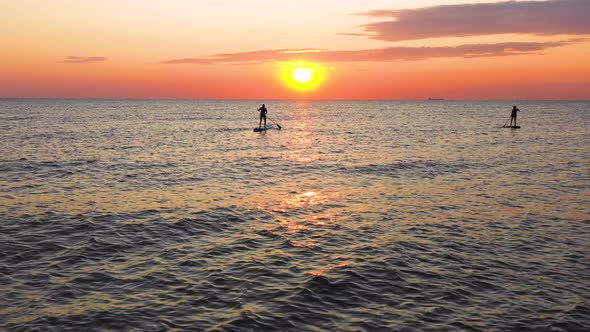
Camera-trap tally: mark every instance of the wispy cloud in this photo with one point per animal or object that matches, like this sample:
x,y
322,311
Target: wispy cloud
x,y
82,59
554,17
259,56
198,61
379,54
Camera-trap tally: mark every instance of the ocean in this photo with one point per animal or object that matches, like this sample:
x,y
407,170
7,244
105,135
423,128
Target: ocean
x,y
173,215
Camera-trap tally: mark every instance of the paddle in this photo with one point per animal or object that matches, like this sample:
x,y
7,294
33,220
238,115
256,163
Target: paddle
x,y
507,122
278,125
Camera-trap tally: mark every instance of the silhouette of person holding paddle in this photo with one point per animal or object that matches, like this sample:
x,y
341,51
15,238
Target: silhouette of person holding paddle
x,y
263,112
513,115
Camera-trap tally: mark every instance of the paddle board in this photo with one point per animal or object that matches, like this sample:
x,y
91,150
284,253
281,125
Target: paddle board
x,y
264,129
513,127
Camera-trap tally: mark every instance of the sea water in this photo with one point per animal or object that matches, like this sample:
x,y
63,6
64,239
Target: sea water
x,y
356,216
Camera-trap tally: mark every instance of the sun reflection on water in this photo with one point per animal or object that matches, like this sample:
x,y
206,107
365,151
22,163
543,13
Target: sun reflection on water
x,y
305,199
292,227
300,156
325,270
301,224
303,141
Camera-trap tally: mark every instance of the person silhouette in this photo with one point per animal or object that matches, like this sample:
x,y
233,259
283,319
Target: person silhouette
x,y
263,112
513,115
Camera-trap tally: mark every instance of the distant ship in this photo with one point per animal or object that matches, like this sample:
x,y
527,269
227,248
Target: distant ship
x,y
436,98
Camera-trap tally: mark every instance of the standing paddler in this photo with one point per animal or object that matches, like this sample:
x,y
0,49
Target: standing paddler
x,y
513,115
263,112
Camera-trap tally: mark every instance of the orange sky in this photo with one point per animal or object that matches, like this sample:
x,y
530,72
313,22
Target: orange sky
x,y
373,49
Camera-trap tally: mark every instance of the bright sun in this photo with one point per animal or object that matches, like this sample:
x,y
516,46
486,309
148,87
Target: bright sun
x,y
302,75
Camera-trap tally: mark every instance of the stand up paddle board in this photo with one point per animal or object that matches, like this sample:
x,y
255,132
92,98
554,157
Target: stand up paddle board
x,y
265,129
513,127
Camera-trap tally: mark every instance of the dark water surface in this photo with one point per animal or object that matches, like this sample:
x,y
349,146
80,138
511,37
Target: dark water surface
x,y
357,216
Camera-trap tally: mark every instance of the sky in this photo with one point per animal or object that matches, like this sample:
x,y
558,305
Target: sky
x,y
351,49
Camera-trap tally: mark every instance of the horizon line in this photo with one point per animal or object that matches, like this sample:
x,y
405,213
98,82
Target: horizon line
x,y
278,99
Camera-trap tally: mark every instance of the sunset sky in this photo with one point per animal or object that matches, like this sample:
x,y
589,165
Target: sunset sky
x,y
350,49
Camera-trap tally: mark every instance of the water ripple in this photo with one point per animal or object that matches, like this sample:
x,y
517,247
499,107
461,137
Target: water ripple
x,y
174,215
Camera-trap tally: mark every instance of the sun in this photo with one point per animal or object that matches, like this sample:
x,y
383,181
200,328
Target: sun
x,y
302,74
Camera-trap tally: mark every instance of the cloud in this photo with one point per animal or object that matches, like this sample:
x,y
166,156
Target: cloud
x,y
82,59
379,54
199,61
259,56
555,17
